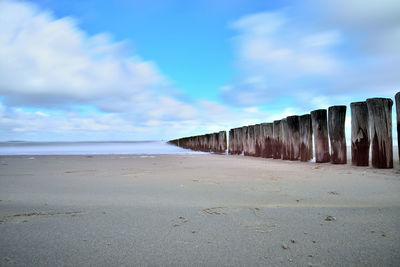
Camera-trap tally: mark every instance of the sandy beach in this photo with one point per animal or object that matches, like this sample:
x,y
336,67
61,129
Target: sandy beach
x,y
197,210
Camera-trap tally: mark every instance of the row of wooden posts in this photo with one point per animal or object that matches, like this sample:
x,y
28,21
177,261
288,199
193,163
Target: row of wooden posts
x,y
214,142
291,138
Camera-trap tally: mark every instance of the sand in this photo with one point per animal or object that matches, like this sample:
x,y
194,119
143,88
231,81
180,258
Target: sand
x,y
197,210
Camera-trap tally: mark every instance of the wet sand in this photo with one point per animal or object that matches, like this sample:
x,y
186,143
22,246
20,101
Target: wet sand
x,y
202,210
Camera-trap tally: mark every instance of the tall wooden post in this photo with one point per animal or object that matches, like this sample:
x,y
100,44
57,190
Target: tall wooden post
x,y
259,139
268,132
245,142
397,99
277,140
230,142
294,137
251,141
239,140
320,132
337,137
197,143
380,121
222,141
306,150
285,139
262,140
359,134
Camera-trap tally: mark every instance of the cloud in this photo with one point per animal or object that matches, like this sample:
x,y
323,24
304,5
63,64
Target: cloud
x,y
346,48
50,62
58,82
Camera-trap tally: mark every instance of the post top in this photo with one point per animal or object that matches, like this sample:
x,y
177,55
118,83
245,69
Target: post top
x,y
318,110
382,99
293,116
360,103
337,107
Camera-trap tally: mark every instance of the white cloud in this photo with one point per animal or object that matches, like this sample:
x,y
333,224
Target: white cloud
x,y
50,62
337,50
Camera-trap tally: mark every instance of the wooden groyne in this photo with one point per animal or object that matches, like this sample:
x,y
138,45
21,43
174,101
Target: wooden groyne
x,y
214,142
320,135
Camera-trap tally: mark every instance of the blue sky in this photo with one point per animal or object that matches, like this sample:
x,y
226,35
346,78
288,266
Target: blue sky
x,y
140,70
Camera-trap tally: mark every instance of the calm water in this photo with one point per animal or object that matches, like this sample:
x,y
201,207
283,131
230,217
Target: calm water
x,y
90,148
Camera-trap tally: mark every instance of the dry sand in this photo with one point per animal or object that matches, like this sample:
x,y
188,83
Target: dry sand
x,y
209,210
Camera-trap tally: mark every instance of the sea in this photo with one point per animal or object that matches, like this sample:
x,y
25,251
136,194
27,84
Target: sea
x,y
91,148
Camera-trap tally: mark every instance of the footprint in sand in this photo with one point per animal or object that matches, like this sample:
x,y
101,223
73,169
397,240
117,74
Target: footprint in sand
x,y
80,171
249,218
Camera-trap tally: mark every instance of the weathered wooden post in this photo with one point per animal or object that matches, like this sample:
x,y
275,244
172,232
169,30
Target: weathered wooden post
x,y
306,150
239,141
197,143
285,139
277,141
380,122
359,134
268,132
262,140
258,137
320,132
397,99
207,143
245,142
222,141
216,142
230,142
294,137
251,141
337,137
235,147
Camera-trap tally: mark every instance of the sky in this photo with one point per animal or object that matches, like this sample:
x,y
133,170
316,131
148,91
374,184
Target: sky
x,y
163,69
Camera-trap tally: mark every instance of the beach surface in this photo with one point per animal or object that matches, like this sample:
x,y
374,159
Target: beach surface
x,y
196,210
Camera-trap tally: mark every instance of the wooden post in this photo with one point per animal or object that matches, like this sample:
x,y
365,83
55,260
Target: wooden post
x,y
337,137
216,142
197,141
277,140
380,122
397,99
222,141
239,141
268,132
251,141
359,134
257,137
262,140
230,142
294,137
320,132
245,142
234,141
285,139
306,150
